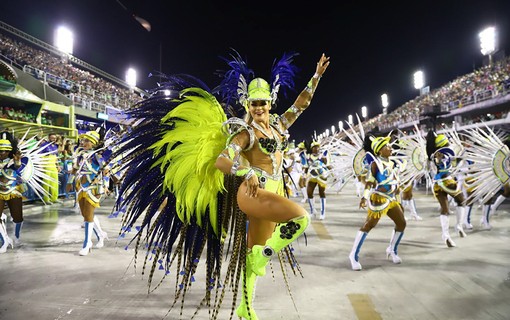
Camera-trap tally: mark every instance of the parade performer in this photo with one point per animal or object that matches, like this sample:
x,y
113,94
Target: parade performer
x,y
443,157
91,180
50,148
414,154
318,170
21,164
489,158
303,156
180,145
380,196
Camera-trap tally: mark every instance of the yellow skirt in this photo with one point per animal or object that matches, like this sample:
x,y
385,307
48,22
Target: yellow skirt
x,y
379,205
448,185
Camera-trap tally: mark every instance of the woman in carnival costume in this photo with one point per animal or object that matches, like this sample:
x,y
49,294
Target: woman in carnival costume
x,y
90,178
319,165
21,163
10,189
440,153
303,164
178,149
488,153
380,196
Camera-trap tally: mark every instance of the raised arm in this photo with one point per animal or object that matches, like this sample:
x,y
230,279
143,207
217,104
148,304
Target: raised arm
x,y
305,97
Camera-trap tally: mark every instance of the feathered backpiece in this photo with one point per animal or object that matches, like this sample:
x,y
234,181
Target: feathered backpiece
x,y
348,155
34,162
172,194
413,148
233,89
489,162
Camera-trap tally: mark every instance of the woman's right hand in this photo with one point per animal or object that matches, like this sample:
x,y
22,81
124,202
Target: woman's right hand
x,y
363,203
252,186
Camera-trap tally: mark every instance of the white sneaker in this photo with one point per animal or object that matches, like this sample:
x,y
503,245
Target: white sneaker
x,y
390,253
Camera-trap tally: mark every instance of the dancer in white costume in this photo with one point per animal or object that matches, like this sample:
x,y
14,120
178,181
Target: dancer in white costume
x,y
490,169
440,153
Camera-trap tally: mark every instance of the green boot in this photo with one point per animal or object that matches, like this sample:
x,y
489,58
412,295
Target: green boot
x,y
283,235
247,299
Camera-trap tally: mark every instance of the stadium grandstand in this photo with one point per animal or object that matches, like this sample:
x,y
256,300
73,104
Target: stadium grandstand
x,y
72,95
482,95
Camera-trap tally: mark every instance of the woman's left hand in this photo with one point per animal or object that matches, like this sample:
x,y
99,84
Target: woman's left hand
x,y
322,65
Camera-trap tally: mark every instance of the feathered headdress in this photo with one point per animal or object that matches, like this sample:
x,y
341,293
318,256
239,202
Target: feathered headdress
x,y
239,84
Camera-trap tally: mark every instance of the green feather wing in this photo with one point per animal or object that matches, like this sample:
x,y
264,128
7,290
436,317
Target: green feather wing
x,y
187,155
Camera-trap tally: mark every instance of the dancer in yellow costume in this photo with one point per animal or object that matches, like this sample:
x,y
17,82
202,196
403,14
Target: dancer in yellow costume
x,y
51,153
380,196
195,205
91,177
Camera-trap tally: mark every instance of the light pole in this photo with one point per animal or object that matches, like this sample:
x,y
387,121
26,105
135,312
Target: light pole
x,y
385,103
364,113
131,77
488,42
419,81
64,40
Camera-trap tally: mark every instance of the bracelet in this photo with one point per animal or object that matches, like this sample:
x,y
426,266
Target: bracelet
x,y
366,193
316,76
249,174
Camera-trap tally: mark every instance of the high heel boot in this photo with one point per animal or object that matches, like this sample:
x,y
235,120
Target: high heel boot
x,y
100,234
391,251
87,243
4,236
283,235
245,309
356,247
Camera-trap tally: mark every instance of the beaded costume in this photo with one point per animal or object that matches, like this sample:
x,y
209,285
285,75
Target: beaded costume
x,y
191,205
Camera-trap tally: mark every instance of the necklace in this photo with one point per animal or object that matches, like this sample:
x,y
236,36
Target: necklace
x,y
258,127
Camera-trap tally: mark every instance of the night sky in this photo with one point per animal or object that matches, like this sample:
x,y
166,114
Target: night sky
x,y
374,48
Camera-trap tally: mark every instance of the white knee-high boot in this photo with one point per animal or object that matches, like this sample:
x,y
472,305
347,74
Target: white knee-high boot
x,y
323,209
87,242
391,251
445,226
311,203
17,232
499,200
356,247
484,222
460,212
305,194
4,237
467,218
100,234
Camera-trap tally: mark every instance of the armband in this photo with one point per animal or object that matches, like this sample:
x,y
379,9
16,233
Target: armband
x,y
295,110
316,76
366,193
370,178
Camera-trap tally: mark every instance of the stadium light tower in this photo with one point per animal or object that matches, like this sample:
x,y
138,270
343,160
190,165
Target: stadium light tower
x,y
349,119
488,42
131,77
340,125
385,103
63,40
419,82
364,112
333,130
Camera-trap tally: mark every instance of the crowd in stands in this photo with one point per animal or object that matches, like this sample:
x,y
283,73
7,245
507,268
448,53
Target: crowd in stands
x,y
83,87
485,83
